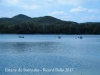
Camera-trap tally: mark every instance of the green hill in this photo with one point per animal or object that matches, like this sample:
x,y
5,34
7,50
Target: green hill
x,y
22,24
21,17
8,21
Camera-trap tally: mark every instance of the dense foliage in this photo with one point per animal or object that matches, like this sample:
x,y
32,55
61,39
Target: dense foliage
x,y
22,24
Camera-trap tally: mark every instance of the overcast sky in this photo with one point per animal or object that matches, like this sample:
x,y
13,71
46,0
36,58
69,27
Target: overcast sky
x,y
69,10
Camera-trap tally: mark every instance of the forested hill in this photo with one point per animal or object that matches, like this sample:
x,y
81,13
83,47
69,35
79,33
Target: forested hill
x,y
22,24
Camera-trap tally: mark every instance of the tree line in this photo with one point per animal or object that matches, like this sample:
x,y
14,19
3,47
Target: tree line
x,y
59,28
47,25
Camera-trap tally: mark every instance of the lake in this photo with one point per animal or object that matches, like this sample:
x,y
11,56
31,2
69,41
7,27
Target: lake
x,y
49,55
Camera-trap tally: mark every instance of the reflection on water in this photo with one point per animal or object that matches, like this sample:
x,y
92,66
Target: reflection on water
x,y
48,51
20,47
24,47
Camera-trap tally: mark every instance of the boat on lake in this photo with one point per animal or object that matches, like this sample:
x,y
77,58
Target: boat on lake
x,y
20,36
59,37
80,37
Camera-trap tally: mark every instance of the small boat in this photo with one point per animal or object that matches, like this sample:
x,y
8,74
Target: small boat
x,y
59,37
80,37
21,36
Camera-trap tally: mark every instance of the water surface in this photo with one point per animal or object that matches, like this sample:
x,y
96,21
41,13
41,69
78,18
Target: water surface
x,y
50,52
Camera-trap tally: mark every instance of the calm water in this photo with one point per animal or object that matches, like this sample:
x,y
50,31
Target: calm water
x,y
48,55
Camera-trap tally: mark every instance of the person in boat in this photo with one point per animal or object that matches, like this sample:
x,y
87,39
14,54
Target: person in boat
x,y
80,37
59,37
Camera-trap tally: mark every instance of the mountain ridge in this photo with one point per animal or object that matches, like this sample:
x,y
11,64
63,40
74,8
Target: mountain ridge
x,y
24,18
22,24
21,17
